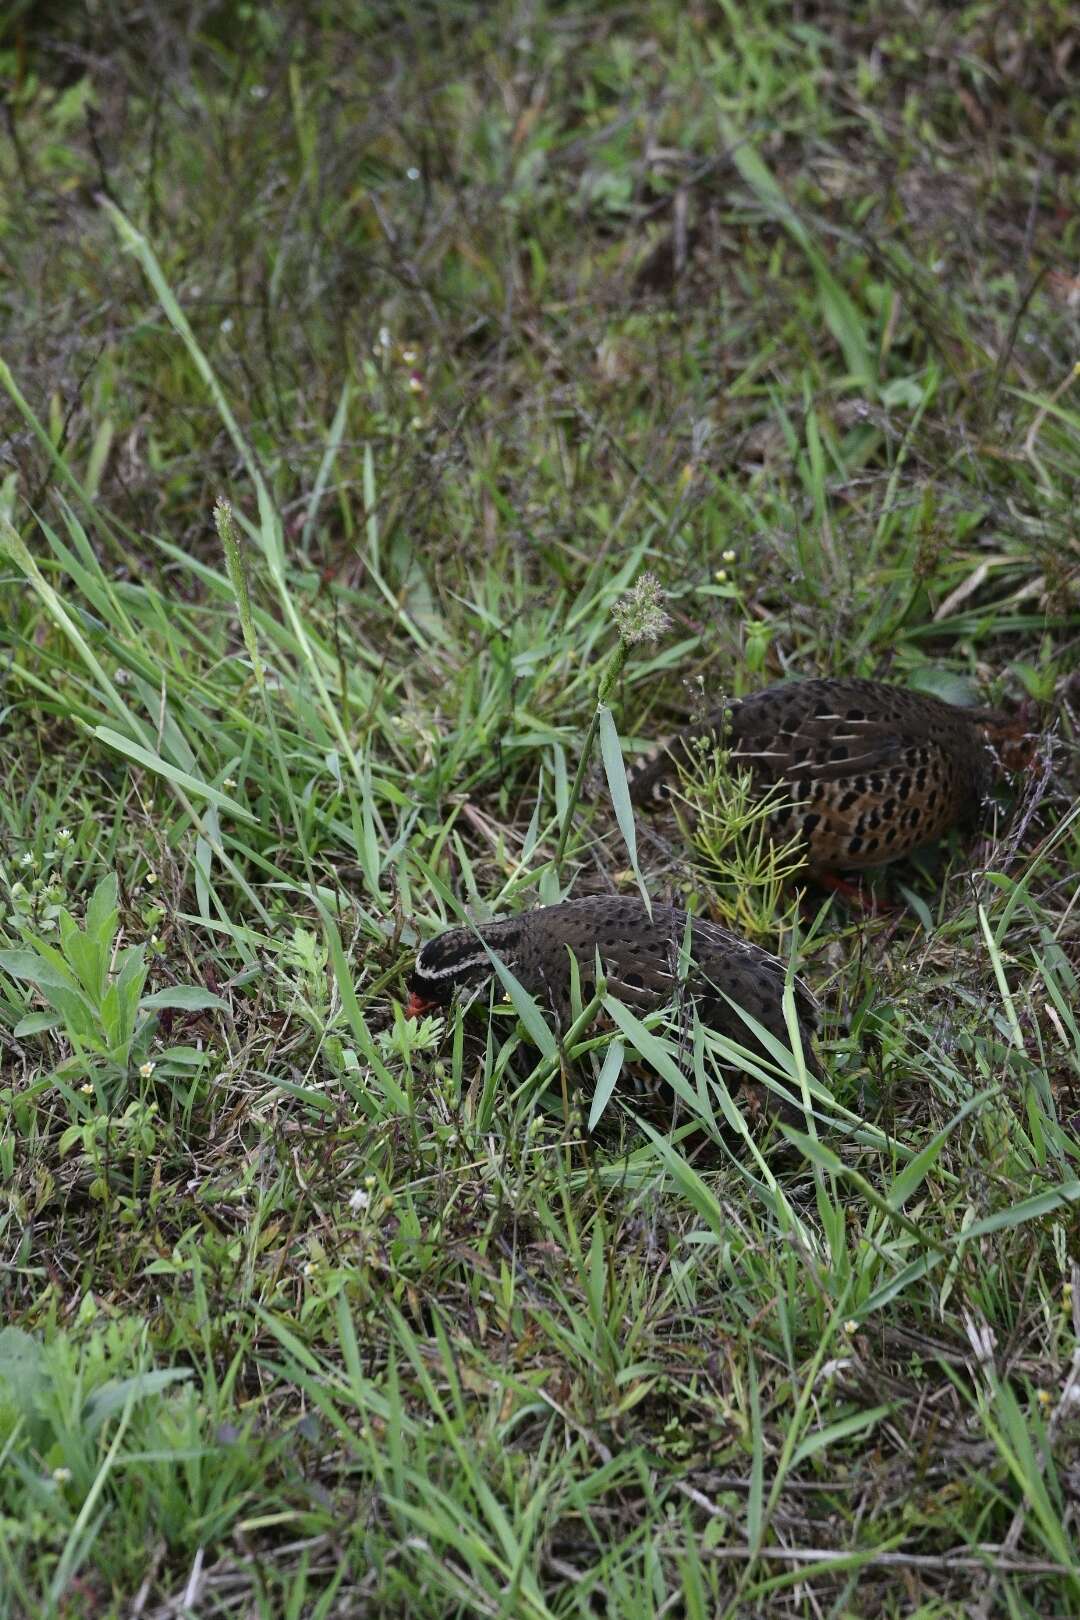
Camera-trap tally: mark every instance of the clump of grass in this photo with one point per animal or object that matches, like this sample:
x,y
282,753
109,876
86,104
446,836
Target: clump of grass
x,y
726,820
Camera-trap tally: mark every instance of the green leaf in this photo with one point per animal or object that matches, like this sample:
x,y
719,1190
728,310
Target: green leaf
x,y
101,911
651,1047
1029,1209
815,1151
187,997
824,1157
161,767
526,1007
362,1035
840,1430
919,1165
114,1396
694,1188
36,1024
606,1081
615,771
903,1279
755,1520
841,315
22,1366
35,970
89,960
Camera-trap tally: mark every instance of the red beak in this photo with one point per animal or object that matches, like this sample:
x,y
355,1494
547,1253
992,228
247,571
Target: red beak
x,y
417,1005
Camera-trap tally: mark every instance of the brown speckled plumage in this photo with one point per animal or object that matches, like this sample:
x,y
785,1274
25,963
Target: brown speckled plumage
x,y
870,771
640,957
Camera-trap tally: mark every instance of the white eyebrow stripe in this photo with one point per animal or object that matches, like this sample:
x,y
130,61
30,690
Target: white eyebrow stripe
x,y
453,967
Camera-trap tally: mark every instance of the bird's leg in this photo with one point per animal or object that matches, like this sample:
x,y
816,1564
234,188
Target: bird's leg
x,y
857,896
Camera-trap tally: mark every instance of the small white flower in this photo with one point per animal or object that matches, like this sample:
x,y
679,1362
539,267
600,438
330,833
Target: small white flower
x,y
62,1476
412,172
258,92
226,325
851,1326
416,424
720,575
416,384
87,1090
384,337
122,677
229,782
147,1069
28,859
151,878
310,1268
359,1200
409,356
64,836
728,556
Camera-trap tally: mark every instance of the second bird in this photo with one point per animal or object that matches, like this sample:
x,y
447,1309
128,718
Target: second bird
x,y
867,772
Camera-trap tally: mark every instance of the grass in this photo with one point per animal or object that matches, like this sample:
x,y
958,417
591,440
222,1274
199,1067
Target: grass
x,y
472,317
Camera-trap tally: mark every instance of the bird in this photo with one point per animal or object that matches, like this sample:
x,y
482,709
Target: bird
x,y
864,772
639,955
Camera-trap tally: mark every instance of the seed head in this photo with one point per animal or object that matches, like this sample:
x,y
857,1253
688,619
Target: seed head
x,y
640,614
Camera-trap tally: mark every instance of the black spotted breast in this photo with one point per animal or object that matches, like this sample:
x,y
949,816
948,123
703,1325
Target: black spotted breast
x,y
868,771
